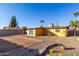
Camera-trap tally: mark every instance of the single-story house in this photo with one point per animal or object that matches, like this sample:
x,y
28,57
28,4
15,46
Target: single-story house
x,y
61,31
43,31
35,31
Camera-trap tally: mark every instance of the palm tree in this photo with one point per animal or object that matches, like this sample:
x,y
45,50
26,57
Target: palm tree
x,y
75,23
42,21
76,14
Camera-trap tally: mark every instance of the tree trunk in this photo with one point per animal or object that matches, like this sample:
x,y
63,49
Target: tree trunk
x,y
74,32
42,25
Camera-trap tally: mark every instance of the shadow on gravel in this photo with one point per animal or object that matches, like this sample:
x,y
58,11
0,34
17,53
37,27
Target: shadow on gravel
x,y
69,48
6,46
46,52
12,49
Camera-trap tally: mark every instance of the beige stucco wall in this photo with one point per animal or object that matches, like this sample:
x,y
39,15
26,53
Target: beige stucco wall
x,y
30,34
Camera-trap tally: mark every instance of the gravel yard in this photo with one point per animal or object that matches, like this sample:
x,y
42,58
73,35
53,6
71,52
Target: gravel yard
x,y
10,43
70,43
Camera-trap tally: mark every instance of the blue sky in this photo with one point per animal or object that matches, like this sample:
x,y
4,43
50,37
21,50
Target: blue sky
x,y
30,14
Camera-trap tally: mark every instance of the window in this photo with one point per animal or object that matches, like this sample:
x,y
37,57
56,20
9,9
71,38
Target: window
x,y
31,32
57,30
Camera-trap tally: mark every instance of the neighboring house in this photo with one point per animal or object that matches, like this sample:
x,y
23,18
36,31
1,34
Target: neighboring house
x,y
71,28
77,28
51,31
71,31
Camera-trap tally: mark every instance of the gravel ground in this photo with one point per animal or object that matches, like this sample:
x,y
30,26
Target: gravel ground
x,y
71,44
9,43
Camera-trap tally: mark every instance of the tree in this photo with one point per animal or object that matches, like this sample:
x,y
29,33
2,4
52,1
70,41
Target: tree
x,y
75,23
51,25
4,28
13,22
76,14
42,21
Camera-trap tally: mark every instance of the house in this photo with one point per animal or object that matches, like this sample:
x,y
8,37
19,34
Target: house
x,y
36,31
61,31
51,31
